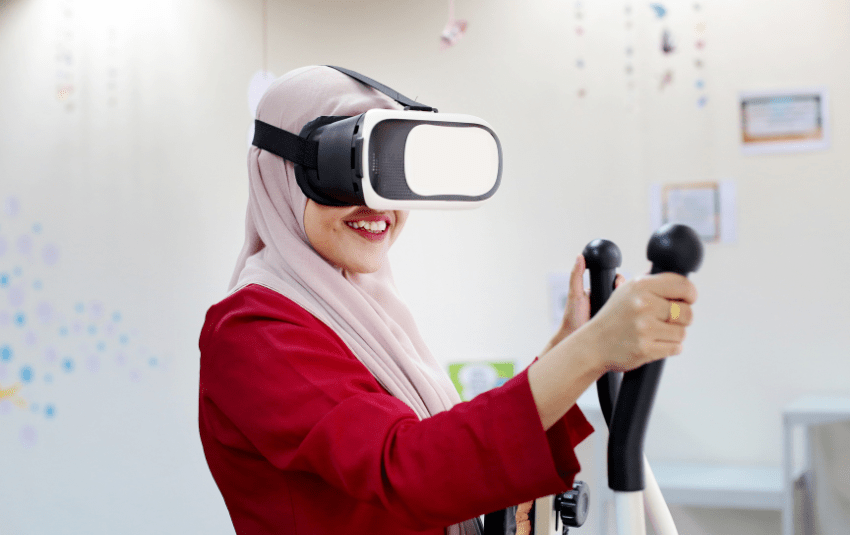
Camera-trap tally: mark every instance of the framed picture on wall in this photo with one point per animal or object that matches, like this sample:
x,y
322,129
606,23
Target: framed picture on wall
x,y
784,121
696,205
708,207
473,378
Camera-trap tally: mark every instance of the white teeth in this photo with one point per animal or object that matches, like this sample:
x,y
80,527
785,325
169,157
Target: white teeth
x,y
371,226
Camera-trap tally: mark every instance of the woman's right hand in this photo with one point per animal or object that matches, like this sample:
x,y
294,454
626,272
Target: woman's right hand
x,y
634,327
639,324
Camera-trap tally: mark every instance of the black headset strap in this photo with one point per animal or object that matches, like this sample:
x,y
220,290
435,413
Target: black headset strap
x,y
296,149
302,151
392,93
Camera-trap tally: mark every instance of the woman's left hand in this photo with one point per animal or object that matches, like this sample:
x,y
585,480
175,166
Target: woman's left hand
x,y
577,312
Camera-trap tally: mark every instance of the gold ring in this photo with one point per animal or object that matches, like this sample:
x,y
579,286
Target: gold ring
x,y
674,311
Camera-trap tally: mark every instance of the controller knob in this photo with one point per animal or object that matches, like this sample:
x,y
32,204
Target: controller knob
x,y
676,248
602,254
572,506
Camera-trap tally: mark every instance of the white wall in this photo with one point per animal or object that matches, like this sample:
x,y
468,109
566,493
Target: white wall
x,y
145,200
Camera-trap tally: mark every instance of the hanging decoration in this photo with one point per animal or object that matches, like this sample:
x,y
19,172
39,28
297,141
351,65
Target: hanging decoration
x,y
453,30
699,45
582,91
629,50
666,79
65,57
660,10
667,44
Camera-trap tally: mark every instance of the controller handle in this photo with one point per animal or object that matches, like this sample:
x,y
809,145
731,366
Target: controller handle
x,y
675,248
602,258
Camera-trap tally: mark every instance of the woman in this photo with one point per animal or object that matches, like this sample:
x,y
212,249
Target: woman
x,y
322,410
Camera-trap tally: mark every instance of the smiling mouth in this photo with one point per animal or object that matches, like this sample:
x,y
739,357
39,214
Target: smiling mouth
x,y
375,227
372,229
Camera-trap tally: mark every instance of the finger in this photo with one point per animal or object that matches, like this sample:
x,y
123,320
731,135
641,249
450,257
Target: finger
x,y
618,280
655,350
577,276
672,286
681,313
661,309
669,333
660,350
670,311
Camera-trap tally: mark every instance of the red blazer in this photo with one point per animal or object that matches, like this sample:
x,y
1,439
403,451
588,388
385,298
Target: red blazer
x,y
301,439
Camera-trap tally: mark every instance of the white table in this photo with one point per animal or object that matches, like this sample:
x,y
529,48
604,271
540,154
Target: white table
x,y
799,416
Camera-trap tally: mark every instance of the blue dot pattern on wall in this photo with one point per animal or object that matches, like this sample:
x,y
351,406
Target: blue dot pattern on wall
x,y
44,339
26,374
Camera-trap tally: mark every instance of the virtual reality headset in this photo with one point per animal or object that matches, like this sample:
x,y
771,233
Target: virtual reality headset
x,y
391,159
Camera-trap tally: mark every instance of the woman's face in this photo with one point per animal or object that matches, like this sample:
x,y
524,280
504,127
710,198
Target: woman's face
x,y
354,238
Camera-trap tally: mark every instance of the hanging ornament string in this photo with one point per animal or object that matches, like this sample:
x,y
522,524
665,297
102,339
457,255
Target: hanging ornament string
x,y
453,30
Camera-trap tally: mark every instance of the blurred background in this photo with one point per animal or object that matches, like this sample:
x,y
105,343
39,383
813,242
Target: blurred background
x,y
124,130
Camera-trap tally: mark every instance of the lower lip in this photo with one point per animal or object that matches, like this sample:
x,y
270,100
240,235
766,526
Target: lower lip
x,y
371,236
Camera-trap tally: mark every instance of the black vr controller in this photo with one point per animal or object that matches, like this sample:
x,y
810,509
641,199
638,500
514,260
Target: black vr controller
x,y
626,399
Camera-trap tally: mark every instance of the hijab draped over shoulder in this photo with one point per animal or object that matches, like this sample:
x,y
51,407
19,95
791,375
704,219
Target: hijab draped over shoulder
x,y
363,309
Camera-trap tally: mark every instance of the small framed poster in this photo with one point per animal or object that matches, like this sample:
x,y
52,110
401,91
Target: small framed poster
x,y
707,207
696,205
473,378
784,121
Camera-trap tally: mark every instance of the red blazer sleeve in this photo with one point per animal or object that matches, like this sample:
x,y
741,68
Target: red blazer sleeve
x,y
301,399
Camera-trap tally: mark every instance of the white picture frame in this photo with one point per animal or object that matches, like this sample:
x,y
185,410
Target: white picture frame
x,y
782,121
709,207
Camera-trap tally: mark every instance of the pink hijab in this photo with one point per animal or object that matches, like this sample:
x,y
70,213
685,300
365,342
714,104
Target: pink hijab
x,y
365,310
